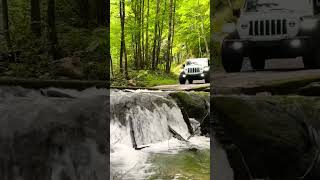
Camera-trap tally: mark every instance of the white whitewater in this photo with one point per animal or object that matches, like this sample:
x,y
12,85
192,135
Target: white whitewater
x,y
142,119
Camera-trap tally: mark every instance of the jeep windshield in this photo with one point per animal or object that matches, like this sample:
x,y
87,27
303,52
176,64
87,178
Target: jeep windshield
x,y
273,5
199,61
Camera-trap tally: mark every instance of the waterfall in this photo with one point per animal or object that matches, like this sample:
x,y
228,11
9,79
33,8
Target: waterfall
x,y
145,123
139,119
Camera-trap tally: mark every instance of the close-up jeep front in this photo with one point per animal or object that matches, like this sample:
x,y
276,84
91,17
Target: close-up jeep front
x,y
269,29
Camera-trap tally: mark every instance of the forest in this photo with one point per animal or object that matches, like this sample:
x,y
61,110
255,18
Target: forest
x,y
151,39
54,39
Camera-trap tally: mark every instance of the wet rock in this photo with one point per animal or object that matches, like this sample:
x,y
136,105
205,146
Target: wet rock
x,y
55,93
196,106
53,139
275,134
313,89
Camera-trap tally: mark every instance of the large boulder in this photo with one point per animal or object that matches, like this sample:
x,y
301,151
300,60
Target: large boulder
x,y
52,138
196,105
276,135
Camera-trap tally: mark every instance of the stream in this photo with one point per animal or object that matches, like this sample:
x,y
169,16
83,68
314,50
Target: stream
x,y
149,139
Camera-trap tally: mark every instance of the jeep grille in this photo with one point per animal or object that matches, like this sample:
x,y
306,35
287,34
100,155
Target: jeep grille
x,y
268,27
193,70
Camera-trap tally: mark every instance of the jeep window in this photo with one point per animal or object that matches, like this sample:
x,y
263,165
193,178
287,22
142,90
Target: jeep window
x,y
285,5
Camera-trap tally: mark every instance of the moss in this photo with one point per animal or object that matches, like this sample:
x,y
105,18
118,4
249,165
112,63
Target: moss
x,y
193,103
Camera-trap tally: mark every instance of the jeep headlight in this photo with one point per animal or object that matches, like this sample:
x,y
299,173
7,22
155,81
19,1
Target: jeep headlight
x,y
206,68
308,24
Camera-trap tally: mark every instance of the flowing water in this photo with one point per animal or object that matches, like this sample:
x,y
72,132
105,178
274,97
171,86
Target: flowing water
x,y
143,145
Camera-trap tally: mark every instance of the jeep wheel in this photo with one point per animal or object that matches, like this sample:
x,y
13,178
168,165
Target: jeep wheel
x,y
182,81
257,63
207,79
231,61
312,61
190,81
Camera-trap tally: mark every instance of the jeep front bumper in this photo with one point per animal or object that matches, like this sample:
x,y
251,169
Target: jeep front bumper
x,y
198,76
284,48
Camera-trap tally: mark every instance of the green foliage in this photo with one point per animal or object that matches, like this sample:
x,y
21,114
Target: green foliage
x,y
75,39
145,78
189,37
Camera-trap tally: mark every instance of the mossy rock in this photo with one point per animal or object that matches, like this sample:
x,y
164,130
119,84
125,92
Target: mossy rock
x,y
196,105
271,132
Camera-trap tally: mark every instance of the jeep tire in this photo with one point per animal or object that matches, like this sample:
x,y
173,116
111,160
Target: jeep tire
x,y
207,79
190,81
312,60
182,80
231,62
257,63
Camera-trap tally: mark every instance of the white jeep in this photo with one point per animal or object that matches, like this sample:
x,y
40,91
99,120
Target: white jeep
x,y
268,29
195,69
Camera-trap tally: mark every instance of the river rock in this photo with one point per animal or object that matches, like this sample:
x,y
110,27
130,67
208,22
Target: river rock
x,y
272,133
196,105
53,138
312,89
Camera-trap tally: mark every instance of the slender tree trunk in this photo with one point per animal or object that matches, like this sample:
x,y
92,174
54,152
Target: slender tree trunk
x,y
203,34
173,24
122,36
155,38
84,12
6,23
101,12
52,28
147,35
160,33
213,53
168,57
142,35
35,18
123,51
108,54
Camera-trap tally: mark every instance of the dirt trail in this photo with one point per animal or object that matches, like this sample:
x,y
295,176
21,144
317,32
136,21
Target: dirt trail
x,y
197,85
277,71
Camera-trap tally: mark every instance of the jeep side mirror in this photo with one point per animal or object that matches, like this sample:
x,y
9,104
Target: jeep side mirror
x,y
228,28
236,12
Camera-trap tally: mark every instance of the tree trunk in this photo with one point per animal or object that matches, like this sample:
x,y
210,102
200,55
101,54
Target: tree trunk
x,y
142,34
6,23
35,18
123,52
213,53
147,35
108,54
155,38
122,36
84,12
203,33
160,33
168,57
52,28
173,23
101,12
